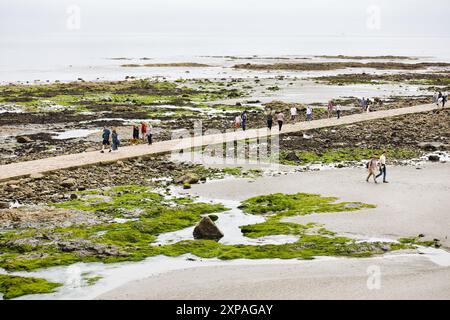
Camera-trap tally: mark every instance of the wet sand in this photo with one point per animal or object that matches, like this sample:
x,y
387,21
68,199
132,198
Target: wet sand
x,y
400,278
415,201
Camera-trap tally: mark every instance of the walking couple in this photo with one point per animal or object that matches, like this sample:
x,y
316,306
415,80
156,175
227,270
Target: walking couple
x,y
110,140
375,163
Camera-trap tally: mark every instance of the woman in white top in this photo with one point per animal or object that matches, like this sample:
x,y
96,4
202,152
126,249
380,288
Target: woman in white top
x,y
237,122
149,134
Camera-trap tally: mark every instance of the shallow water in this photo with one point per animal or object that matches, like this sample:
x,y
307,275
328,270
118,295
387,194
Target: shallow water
x,y
229,222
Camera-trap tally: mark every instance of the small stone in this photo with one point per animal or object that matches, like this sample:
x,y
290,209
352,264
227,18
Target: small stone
x,y
36,176
23,139
73,196
190,178
68,183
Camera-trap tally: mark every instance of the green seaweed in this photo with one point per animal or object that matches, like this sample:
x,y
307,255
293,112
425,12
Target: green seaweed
x,y
16,286
348,154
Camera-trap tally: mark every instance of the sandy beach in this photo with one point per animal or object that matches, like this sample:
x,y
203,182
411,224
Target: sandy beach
x,y
414,202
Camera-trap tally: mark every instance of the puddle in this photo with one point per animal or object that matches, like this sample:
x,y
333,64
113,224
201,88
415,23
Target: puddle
x,y
77,133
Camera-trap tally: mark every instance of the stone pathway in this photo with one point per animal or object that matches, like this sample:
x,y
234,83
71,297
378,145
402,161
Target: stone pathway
x,y
24,169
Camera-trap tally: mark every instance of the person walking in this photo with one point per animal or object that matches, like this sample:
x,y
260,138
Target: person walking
x,y
143,130
362,103
244,119
269,120
150,134
436,98
135,134
237,122
330,109
293,111
444,99
308,113
367,105
106,136
371,167
382,164
115,140
280,120
338,111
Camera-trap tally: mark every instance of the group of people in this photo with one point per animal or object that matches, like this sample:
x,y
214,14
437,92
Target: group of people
x,y
365,104
110,137
331,107
440,98
240,121
377,163
146,133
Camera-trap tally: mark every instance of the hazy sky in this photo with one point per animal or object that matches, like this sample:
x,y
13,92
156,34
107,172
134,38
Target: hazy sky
x,y
312,17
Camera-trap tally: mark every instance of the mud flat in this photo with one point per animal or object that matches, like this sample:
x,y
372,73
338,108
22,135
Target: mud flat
x,y
414,202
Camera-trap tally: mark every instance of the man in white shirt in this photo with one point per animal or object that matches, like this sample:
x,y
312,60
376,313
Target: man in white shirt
x,y
382,163
308,113
293,113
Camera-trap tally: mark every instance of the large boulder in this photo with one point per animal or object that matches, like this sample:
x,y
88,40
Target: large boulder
x,y
207,229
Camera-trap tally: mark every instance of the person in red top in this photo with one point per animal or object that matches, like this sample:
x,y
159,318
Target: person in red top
x,y
330,109
143,130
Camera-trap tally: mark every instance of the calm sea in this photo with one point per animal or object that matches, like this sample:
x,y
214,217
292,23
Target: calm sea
x,y
70,56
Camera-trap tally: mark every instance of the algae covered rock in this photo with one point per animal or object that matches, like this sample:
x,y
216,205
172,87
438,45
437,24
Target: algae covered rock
x,y
206,229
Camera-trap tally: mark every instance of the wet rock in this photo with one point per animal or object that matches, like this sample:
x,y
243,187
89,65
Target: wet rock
x,y
431,146
68,183
207,229
190,178
73,196
433,158
86,248
23,139
186,185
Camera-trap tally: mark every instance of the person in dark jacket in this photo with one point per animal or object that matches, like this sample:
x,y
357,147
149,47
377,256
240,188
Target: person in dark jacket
x,y
115,140
106,136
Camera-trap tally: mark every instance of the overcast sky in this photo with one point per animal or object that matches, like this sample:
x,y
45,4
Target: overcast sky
x,y
311,17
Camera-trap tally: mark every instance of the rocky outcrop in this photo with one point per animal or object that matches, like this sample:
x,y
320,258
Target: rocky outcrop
x,y
207,229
